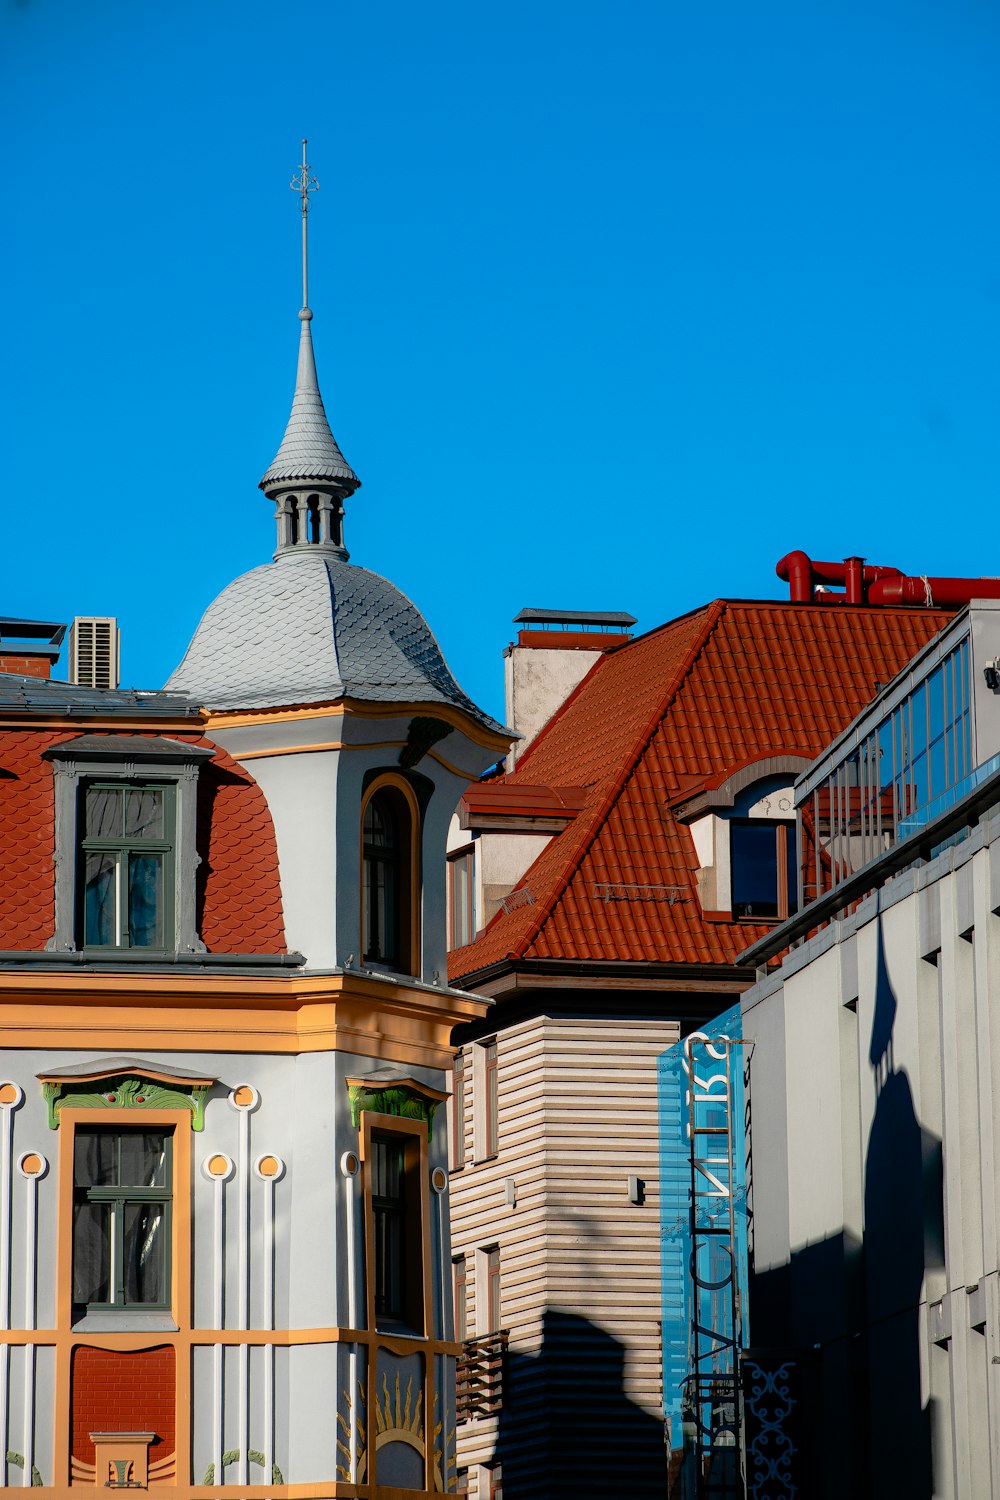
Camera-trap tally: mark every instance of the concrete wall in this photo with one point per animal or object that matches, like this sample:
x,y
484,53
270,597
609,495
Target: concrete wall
x,y
537,682
875,1139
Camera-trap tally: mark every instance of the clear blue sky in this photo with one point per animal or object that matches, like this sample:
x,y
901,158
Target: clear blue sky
x,y
614,303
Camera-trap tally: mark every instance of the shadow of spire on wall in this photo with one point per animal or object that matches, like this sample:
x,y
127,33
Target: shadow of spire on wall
x,y
567,1429
850,1310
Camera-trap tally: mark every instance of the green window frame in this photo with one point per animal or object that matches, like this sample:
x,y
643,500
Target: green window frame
x,y
122,1226
126,864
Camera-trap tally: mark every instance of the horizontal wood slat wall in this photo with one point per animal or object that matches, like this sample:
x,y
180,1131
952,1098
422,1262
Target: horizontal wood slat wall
x,y
577,1116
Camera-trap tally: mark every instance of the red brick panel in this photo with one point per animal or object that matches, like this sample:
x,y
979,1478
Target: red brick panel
x,y
117,1392
26,666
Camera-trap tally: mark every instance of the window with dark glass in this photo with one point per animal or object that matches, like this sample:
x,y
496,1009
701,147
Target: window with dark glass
x,y
397,1247
461,899
492,1132
386,836
121,1218
764,869
493,1289
461,1290
126,857
458,1114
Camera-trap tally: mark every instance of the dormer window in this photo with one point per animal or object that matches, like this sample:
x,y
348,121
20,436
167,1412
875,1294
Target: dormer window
x,y
389,877
126,856
764,869
126,852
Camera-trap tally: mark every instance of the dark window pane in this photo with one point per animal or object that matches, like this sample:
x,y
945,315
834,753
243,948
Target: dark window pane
x,y
382,880
143,1159
380,824
380,909
103,817
91,1252
754,854
144,1252
145,899
492,1100
388,1226
94,1158
144,813
100,901
493,1277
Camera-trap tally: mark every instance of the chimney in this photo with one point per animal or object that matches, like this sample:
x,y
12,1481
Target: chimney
x,y
20,651
555,649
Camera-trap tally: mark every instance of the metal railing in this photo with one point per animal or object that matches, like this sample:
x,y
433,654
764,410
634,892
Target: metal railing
x,y
479,1375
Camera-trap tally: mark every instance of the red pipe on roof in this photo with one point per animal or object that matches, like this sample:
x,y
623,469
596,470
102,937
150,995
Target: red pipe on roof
x,y
807,577
802,573
946,593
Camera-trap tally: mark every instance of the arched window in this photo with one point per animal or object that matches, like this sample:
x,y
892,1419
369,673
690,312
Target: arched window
x,y
387,881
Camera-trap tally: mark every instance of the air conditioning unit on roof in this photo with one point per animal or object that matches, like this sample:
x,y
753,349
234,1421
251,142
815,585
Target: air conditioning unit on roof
x,y
94,651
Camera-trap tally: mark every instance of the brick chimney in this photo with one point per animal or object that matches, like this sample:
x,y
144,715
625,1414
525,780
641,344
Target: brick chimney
x,y
29,648
555,649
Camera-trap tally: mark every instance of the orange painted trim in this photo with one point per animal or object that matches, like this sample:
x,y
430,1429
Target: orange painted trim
x,y
207,1338
416,1136
66,1338
478,733
312,749
115,1013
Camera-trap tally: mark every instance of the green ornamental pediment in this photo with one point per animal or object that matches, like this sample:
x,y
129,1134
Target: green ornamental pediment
x,y
124,1091
404,1097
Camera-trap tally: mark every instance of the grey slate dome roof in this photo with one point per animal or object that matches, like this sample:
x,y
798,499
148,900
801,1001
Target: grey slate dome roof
x,y
308,629
309,451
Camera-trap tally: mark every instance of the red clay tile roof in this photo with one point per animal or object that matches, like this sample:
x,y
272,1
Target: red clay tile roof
x,y
667,714
239,896
515,800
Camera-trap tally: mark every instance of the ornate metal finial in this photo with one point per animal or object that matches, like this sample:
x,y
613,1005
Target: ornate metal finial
x,y
304,184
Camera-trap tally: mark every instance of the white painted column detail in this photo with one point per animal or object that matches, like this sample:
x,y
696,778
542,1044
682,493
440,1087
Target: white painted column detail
x,y
218,1169
11,1096
32,1165
349,1166
244,1100
270,1169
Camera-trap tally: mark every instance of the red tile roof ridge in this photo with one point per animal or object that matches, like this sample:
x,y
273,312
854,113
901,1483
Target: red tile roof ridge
x,y
589,827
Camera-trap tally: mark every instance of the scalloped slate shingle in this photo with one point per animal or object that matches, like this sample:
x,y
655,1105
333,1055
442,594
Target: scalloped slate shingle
x,y
239,891
312,629
309,449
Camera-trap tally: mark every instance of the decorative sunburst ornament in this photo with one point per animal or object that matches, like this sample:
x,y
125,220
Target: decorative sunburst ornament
x,y
398,1419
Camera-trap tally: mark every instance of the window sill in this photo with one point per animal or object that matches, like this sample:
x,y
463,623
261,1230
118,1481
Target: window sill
x,y
397,1328
125,1320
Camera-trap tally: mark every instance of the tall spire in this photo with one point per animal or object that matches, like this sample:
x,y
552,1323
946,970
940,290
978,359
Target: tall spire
x,y
309,477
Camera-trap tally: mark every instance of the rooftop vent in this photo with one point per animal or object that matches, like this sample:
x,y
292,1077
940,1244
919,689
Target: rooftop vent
x,y
94,651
